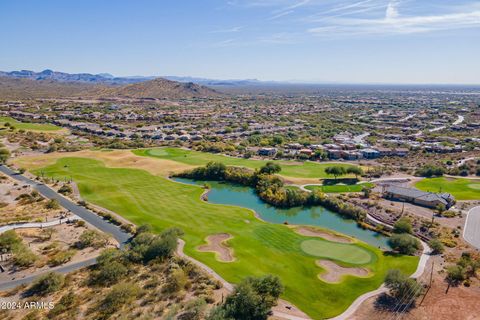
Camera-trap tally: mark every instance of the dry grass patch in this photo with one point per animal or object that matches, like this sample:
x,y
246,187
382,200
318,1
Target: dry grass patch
x,y
217,244
334,273
113,159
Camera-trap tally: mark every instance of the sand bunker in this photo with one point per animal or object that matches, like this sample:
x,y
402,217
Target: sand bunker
x,y
334,272
216,243
314,232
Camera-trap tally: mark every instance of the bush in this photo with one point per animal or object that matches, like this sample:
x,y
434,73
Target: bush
x,y
52,204
65,189
120,295
67,302
429,171
403,225
91,238
24,257
436,246
61,258
404,243
8,240
49,283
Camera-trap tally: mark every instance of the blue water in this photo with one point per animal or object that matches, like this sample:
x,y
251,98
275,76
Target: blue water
x,y
226,193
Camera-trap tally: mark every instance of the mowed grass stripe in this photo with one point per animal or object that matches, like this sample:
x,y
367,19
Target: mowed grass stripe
x,y
305,169
260,248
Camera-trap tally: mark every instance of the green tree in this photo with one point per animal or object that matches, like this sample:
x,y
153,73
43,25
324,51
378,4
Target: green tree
x,y
404,243
252,299
357,171
335,171
401,287
403,225
270,168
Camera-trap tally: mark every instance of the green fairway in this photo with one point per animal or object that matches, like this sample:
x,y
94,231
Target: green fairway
x,y
461,189
307,169
336,251
340,188
28,126
259,247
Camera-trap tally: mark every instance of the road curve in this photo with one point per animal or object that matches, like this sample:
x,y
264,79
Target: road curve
x,y
121,236
471,231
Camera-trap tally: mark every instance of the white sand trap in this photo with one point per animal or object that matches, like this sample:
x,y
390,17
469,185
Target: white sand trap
x,y
334,273
216,243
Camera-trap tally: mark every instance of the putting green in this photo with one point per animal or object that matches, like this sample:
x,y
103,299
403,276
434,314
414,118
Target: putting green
x,y
461,189
307,169
336,251
260,248
28,126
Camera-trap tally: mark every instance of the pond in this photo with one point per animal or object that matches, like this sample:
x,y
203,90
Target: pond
x,y
230,194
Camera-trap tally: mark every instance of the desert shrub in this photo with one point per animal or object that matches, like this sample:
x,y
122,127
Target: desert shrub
x,y
403,225
65,189
49,283
61,257
52,204
120,295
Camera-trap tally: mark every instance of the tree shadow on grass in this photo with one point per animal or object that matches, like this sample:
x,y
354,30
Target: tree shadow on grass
x,y
332,182
386,302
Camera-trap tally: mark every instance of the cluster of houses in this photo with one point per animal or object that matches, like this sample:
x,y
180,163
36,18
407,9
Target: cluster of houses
x,y
345,146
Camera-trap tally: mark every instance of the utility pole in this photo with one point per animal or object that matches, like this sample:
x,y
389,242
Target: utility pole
x,y
429,284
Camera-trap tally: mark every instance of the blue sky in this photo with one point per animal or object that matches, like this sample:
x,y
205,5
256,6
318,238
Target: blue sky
x,y
352,41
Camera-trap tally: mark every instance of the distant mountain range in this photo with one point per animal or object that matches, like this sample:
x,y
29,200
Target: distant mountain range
x,y
106,78
101,78
27,84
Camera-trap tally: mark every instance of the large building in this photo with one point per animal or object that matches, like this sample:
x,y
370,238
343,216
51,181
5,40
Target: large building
x,y
422,198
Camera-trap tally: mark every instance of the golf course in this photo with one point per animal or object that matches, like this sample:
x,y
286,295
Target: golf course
x,y
28,126
290,169
460,188
340,188
136,188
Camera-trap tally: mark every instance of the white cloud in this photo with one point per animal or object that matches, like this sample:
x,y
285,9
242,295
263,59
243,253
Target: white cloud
x,y
394,23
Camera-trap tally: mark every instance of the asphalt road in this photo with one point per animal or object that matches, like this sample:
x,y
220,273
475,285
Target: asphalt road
x,y
471,231
62,269
121,236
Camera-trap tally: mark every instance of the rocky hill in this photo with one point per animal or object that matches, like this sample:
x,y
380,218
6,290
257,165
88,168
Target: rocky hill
x,y
25,88
160,88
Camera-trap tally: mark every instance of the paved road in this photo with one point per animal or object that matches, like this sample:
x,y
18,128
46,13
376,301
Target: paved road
x,y
62,269
471,231
121,236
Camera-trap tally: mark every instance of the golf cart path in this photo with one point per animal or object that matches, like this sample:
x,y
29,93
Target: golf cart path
x,y
356,304
227,285
471,231
52,223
